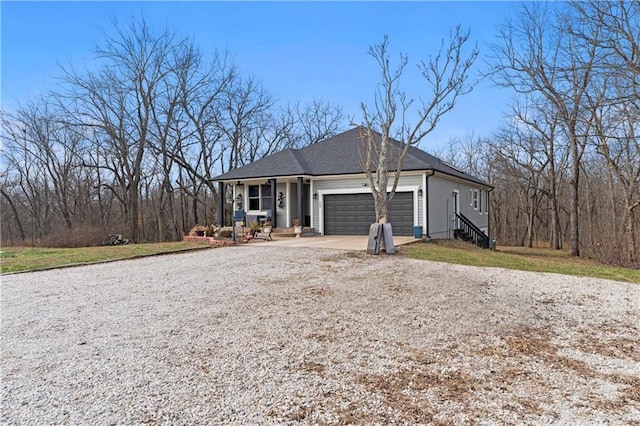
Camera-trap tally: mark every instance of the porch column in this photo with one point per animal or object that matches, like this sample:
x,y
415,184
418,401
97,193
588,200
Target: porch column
x,y
220,211
299,192
274,203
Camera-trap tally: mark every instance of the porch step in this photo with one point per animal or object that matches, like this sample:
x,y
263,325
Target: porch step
x,y
289,233
276,235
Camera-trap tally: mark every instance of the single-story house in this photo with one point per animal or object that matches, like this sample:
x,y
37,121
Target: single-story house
x,y
323,186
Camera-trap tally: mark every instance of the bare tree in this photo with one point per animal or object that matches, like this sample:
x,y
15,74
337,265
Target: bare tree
x,y
446,77
616,139
315,121
54,148
538,117
244,107
469,153
199,143
130,143
8,193
538,53
615,103
522,152
26,167
118,99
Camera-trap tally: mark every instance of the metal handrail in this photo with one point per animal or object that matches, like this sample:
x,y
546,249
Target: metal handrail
x,y
475,233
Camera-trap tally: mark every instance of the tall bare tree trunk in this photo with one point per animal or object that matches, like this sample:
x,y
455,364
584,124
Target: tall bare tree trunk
x,y
16,215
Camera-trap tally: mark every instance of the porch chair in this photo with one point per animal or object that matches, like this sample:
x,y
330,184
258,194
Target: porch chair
x,y
263,234
265,218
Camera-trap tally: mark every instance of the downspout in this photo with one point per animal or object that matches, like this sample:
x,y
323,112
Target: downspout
x,y
311,204
489,217
426,193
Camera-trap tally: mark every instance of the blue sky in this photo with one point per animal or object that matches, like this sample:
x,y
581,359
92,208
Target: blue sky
x,y
299,50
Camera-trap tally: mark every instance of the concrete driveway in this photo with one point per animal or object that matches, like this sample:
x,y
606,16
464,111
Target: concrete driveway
x,y
336,242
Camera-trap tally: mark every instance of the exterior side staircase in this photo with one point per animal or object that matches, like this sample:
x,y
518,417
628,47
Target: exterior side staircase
x,y
469,232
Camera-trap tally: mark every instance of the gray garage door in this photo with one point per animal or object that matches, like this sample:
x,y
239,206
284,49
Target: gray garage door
x,y
352,214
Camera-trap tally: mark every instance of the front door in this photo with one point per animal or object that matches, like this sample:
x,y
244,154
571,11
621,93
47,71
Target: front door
x,y
456,208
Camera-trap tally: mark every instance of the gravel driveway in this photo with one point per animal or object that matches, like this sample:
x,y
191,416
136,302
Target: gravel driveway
x,y
277,335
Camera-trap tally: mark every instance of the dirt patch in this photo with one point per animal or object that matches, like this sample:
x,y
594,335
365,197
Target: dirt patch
x,y
318,291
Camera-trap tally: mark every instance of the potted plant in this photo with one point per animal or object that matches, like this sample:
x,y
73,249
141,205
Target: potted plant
x,y
297,228
254,228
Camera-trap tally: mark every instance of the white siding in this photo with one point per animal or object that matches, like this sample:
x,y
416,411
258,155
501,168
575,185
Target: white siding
x,y
291,202
281,212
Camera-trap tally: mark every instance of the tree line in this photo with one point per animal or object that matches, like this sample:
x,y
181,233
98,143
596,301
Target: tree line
x,y
566,161
130,145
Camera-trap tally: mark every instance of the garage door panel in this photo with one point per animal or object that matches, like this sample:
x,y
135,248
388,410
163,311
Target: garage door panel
x,y
353,214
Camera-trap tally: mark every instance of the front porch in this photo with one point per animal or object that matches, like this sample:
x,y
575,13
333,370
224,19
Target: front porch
x,y
285,202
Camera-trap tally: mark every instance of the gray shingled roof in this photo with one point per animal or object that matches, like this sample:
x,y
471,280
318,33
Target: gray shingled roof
x,y
337,155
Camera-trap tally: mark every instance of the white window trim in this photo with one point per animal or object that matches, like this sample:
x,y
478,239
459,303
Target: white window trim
x,y
474,199
262,210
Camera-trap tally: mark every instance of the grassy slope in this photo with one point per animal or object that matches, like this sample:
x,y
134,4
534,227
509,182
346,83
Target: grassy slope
x,y
520,258
15,259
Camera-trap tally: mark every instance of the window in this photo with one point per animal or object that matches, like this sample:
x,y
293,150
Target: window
x,y
480,202
259,197
475,199
265,197
254,197
486,205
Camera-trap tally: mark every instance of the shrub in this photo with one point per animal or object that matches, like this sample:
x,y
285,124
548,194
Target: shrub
x,y
80,236
213,231
198,228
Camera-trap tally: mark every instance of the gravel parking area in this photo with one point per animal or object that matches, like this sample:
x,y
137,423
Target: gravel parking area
x,y
277,335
